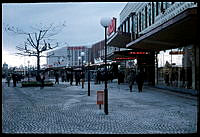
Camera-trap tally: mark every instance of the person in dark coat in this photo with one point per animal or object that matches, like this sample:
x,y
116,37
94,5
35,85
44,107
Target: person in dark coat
x,y
8,78
14,77
42,78
131,79
76,78
57,77
71,78
140,80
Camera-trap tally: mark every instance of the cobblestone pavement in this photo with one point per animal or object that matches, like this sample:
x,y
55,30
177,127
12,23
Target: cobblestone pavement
x,y
68,109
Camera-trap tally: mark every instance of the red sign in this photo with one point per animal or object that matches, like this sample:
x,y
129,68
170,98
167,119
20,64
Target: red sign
x,y
75,48
112,26
125,58
139,53
100,95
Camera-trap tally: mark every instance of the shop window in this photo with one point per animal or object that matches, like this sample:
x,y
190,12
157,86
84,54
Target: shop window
x,y
175,68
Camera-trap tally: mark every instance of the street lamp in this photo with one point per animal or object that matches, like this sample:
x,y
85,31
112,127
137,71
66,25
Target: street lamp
x,y
28,70
79,59
82,55
105,22
88,74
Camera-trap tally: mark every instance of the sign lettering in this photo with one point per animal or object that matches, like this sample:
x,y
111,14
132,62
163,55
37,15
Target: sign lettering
x,y
112,26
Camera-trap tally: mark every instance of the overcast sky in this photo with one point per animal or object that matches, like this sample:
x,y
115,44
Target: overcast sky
x,y
82,23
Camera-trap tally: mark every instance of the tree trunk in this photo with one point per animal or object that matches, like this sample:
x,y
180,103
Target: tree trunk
x,y
38,68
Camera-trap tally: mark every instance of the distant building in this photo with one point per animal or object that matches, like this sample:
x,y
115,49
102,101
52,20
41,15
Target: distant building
x,y
67,56
5,69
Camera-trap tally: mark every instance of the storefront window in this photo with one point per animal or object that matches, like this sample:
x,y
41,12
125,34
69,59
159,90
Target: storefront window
x,y
175,68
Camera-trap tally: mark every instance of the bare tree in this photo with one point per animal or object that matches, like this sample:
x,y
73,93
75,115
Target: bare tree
x,y
38,41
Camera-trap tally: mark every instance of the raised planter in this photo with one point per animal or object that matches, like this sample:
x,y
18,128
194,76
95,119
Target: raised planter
x,y
35,83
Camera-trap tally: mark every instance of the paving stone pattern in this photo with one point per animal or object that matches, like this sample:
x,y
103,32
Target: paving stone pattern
x,y
67,109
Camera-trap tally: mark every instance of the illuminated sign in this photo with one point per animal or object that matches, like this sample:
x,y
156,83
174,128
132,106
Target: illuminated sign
x,y
125,58
176,52
139,53
75,48
112,26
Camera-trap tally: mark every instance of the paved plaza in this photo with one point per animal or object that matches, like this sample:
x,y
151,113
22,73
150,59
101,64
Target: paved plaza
x,y
69,110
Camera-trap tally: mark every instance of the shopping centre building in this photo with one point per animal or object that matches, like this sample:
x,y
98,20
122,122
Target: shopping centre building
x,y
69,56
161,37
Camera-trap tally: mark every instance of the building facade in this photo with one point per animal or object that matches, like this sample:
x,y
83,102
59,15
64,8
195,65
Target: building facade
x,y
68,56
169,30
98,51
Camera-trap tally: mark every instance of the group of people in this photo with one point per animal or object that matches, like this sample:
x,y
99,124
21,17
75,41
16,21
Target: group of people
x,y
100,76
132,77
139,78
69,77
15,77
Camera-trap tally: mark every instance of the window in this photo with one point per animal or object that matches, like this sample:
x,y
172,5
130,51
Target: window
x,y
153,12
145,22
139,29
149,12
157,7
175,68
142,20
162,7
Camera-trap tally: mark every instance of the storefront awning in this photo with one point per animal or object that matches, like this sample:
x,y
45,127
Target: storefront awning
x,y
119,39
128,54
176,32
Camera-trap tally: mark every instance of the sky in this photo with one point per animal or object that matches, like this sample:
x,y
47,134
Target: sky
x,y
82,21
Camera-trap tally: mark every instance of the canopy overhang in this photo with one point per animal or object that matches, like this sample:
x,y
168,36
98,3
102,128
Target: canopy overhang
x,y
176,32
119,39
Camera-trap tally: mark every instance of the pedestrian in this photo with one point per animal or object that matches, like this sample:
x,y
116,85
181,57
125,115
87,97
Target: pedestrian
x,y
140,80
76,78
14,77
82,79
42,78
71,78
131,79
56,77
8,79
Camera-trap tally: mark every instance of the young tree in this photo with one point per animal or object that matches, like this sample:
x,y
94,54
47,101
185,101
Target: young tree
x,y
37,41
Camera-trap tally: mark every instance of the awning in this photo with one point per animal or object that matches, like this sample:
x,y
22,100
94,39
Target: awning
x,y
129,54
119,39
177,32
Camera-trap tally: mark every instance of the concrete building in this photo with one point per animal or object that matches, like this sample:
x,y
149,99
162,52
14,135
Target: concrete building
x,y
67,56
168,30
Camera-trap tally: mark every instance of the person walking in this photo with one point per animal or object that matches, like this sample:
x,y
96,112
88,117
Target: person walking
x,y
71,78
140,80
82,79
76,78
8,79
131,79
57,77
14,77
42,78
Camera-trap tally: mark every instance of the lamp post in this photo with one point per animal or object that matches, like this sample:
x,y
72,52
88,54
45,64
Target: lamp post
x,y
79,59
82,55
105,22
88,74
28,70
